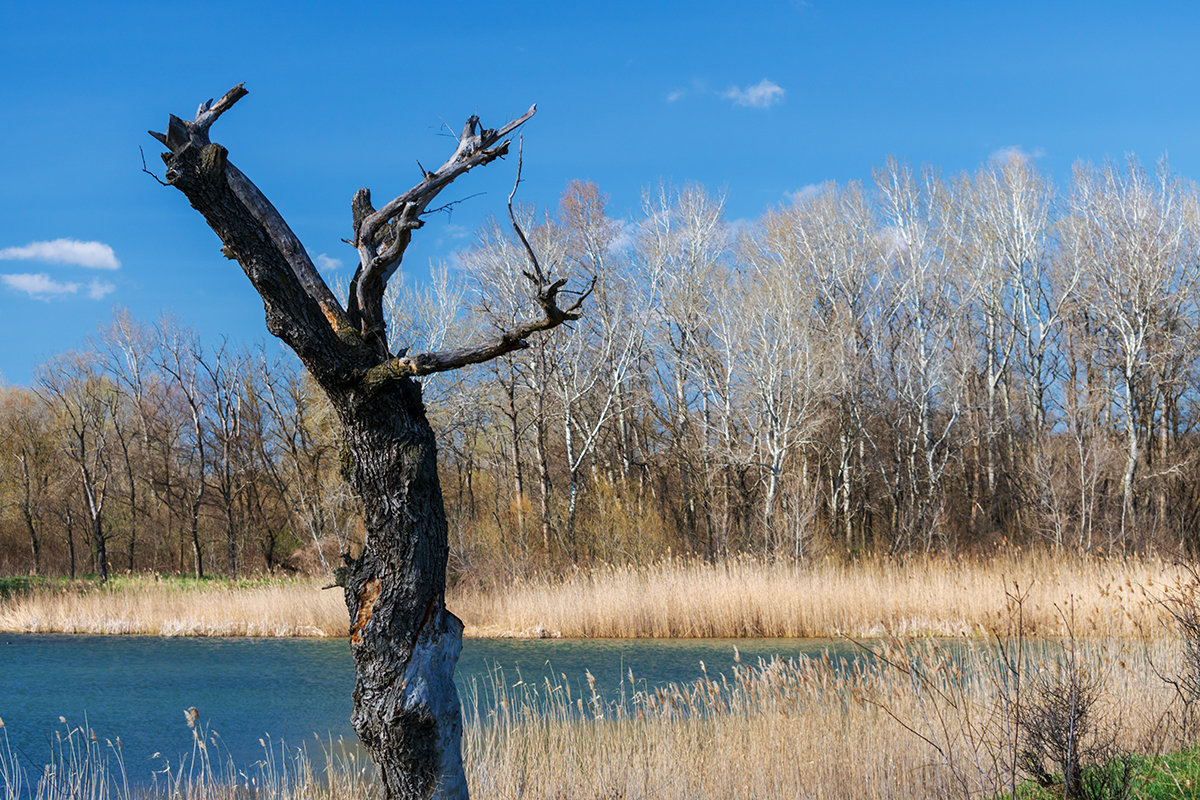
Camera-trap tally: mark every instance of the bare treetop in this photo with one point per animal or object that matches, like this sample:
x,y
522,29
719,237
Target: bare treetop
x,y
350,345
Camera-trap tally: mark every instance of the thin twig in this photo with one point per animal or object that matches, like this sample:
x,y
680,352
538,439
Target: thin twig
x,y
538,276
448,207
161,182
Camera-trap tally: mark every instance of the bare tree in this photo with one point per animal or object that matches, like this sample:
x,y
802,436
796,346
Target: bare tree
x,y
84,403
223,371
783,365
915,344
1134,239
832,244
530,374
1024,292
596,358
681,251
125,350
404,640
179,356
296,456
26,437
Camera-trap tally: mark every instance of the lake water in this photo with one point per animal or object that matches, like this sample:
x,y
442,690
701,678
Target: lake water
x,y
137,688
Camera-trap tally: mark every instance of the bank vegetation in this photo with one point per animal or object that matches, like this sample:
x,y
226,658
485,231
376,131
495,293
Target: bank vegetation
x,y
917,596
923,364
904,719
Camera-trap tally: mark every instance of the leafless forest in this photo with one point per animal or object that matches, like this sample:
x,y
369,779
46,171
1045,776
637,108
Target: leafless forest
x,y
921,364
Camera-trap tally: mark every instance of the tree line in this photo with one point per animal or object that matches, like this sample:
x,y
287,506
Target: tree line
x,y
921,363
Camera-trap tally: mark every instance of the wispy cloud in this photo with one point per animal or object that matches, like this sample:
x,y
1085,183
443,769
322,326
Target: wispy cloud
x,y
1015,153
624,236
98,289
39,285
93,255
327,263
451,233
695,87
893,240
763,94
805,194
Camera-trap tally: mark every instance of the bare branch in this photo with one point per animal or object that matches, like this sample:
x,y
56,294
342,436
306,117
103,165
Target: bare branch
x,y
447,207
547,294
208,113
538,277
418,364
383,235
161,182
300,307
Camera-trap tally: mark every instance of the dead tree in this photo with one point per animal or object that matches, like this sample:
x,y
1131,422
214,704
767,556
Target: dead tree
x,y
404,640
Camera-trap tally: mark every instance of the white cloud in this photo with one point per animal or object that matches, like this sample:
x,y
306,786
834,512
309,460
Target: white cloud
x,y
676,95
97,289
457,261
805,194
736,227
1014,152
42,287
894,240
38,285
764,94
93,255
624,236
327,263
451,233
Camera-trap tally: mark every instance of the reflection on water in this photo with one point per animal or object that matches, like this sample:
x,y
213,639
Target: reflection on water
x,y
137,688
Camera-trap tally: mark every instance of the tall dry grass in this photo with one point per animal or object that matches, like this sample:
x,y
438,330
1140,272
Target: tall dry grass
x,y
178,608
671,598
746,597
790,730
803,729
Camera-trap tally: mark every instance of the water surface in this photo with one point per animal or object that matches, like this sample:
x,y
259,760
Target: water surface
x,y
137,688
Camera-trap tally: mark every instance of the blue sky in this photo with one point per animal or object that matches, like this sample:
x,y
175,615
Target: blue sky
x,y
756,102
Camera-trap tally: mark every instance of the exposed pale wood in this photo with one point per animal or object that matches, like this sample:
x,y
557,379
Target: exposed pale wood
x,y
546,293
381,236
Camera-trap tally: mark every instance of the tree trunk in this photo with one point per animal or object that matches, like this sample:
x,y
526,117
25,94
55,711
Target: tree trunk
x,y
510,395
197,553
100,548
544,488
231,549
27,512
404,640
69,523
1131,460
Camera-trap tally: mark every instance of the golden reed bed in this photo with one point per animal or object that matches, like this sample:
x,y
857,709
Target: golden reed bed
x,y
801,729
672,598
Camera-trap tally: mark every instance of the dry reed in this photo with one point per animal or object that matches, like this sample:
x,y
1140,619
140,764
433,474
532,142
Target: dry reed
x,y
167,608
784,730
804,729
749,598
671,598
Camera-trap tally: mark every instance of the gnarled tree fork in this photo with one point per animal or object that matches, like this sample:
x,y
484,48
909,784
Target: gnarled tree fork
x,y
404,641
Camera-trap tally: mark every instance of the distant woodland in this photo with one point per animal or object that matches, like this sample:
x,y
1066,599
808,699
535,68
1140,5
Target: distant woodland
x,y
919,364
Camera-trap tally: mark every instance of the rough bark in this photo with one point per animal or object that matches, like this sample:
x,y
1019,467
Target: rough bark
x,y
404,641
27,505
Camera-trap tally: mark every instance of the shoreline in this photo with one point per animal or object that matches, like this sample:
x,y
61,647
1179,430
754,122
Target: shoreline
x,y
674,598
